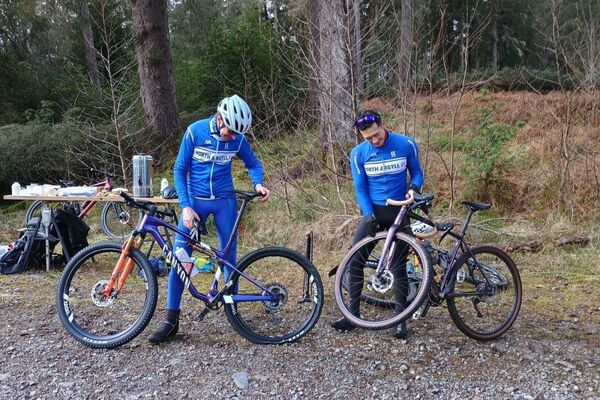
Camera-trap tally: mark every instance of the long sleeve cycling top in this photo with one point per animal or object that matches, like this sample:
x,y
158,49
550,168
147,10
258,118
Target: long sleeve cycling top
x,y
203,166
379,173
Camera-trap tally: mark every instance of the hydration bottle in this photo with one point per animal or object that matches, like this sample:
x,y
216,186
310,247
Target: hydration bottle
x,y
163,184
186,261
15,189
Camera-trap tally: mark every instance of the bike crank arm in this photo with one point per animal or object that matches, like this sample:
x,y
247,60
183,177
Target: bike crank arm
x,y
421,312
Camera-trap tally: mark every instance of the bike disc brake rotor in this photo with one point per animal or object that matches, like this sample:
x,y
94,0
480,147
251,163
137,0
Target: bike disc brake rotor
x,y
98,298
281,297
381,284
124,217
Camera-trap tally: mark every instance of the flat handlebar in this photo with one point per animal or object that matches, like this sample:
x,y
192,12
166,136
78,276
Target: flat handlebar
x,y
149,208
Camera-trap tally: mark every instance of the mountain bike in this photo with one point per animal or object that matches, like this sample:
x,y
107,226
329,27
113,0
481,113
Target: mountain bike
x,y
481,285
116,218
107,293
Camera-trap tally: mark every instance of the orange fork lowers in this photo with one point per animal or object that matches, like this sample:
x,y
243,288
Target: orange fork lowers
x,y
122,268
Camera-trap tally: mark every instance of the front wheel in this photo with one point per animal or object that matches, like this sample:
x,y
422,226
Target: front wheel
x,y
117,219
377,301
485,293
293,279
94,319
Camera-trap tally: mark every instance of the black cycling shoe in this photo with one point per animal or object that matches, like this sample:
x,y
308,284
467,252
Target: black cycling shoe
x,y
342,324
400,331
167,329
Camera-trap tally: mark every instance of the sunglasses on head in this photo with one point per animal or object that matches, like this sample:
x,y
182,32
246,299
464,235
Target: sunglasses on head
x,y
367,120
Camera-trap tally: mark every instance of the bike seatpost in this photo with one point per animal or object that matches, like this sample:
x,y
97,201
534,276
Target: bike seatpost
x,y
463,230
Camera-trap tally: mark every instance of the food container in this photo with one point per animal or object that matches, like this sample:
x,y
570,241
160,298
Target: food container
x,y
142,175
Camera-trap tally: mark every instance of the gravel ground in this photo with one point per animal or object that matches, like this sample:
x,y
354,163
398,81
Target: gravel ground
x,y
539,358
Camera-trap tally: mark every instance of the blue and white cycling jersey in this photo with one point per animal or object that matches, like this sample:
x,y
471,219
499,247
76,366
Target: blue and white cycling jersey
x,y
379,173
206,159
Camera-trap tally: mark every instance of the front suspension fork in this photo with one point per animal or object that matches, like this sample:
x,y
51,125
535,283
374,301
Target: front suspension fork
x,y
122,268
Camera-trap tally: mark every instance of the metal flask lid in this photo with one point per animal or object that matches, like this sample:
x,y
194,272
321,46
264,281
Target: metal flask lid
x,y
142,175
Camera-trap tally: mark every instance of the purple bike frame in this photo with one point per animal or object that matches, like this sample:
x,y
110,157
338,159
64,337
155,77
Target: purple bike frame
x,y
150,224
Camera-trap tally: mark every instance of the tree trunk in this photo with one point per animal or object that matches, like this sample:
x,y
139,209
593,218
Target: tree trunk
x,y
358,70
405,51
314,54
335,93
494,33
91,62
157,86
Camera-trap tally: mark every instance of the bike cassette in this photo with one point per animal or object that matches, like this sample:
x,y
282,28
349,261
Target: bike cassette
x,y
488,293
381,284
98,298
281,297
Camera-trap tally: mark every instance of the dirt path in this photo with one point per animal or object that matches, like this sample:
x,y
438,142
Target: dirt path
x,y
541,358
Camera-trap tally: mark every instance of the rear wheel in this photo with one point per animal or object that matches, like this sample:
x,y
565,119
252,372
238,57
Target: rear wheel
x,y
485,293
96,320
293,279
390,298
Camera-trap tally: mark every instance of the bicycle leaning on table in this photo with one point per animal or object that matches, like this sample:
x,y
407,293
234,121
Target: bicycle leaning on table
x,y
116,219
481,285
107,294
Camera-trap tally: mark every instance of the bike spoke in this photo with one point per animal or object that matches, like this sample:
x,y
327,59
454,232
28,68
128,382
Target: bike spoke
x,y
294,309
380,300
486,296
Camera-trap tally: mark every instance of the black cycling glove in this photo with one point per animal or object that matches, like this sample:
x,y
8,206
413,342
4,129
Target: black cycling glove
x,y
371,225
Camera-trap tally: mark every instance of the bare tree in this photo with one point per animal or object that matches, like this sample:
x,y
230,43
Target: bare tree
x,y
110,145
157,89
405,50
88,45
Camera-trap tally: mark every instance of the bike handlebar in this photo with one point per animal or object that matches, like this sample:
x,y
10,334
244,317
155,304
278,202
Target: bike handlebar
x,y
106,174
149,208
410,198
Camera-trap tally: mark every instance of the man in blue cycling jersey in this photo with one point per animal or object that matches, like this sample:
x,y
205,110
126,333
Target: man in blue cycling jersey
x,y
379,171
202,174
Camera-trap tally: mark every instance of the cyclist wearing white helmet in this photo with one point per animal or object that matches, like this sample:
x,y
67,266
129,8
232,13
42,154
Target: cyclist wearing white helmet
x,y
203,180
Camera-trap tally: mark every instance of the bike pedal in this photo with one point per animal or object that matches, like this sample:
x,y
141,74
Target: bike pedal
x,y
416,315
202,314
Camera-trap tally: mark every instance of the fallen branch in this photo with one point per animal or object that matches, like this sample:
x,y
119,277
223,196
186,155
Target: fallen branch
x,y
581,240
531,245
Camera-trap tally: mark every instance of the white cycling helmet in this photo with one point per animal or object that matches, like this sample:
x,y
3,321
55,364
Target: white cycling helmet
x,y
235,113
420,228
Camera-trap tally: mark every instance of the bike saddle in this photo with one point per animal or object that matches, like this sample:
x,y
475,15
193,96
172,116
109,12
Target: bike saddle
x,y
248,195
476,206
448,226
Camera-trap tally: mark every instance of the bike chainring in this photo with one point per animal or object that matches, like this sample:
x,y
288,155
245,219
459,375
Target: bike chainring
x,y
281,295
381,284
434,299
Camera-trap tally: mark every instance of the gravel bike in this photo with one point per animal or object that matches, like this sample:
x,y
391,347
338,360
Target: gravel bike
x,y
481,285
116,218
107,293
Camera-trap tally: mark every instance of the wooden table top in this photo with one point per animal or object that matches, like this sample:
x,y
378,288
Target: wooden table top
x,y
110,197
